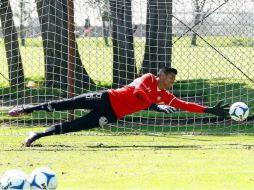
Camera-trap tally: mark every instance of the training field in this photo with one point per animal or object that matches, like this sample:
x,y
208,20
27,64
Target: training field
x,y
56,50
137,162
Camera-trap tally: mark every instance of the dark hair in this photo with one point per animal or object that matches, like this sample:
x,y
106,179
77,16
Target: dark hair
x,y
168,70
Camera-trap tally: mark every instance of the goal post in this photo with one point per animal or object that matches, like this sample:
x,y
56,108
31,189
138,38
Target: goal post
x,y
61,49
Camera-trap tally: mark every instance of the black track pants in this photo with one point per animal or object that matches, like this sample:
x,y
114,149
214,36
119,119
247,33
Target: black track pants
x,y
98,102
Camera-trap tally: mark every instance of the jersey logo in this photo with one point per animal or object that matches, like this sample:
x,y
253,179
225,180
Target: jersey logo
x,y
159,98
149,89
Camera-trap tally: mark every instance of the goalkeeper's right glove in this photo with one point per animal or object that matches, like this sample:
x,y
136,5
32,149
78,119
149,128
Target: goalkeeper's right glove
x,y
162,108
219,109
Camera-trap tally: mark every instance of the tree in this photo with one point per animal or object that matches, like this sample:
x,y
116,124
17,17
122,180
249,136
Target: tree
x,y
158,48
198,16
15,67
124,68
24,15
53,20
105,26
104,9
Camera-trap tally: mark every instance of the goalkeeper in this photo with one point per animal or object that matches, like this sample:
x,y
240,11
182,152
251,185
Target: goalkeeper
x,y
148,91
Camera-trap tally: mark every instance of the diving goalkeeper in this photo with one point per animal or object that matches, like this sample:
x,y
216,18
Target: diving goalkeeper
x,y
147,91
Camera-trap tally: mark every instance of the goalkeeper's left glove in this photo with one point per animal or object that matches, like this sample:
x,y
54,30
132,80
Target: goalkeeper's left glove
x,y
219,109
162,108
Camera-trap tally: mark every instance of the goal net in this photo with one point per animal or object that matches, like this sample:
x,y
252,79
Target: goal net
x,y
210,43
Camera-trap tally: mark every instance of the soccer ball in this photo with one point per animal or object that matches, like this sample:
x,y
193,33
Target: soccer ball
x,y
14,179
239,111
43,178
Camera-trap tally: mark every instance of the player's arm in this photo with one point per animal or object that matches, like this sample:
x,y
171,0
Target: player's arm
x,y
142,87
218,109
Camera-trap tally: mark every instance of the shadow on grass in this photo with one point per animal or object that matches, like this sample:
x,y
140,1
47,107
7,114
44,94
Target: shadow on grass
x,y
146,146
131,147
54,148
183,88
189,139
97,148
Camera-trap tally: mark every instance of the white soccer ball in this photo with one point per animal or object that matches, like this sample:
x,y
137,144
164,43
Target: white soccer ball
x,y
14,179
239,111
43,178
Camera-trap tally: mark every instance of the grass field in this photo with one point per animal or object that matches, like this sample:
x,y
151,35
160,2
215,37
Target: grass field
x,y
137,162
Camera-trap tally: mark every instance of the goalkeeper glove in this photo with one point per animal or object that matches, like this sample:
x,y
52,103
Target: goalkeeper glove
x,y
162,108
219,109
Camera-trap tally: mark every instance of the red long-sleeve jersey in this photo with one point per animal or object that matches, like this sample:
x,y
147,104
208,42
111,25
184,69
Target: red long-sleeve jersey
x,y
141,93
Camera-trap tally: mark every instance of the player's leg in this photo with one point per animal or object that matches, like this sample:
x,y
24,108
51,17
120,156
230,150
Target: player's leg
x,y
89,121
84,101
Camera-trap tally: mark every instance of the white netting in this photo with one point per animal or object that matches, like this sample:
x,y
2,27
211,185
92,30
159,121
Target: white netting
x,y
209,42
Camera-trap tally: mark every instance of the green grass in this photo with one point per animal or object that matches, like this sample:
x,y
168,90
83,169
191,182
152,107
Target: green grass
x,y
137,162
199,62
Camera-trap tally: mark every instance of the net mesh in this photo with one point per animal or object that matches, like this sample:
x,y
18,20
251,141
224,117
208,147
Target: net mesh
x,y
209,42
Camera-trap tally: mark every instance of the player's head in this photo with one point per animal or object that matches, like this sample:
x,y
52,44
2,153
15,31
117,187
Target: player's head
x,y
167,76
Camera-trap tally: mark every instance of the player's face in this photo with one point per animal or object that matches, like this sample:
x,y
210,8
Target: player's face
x,y
168,79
